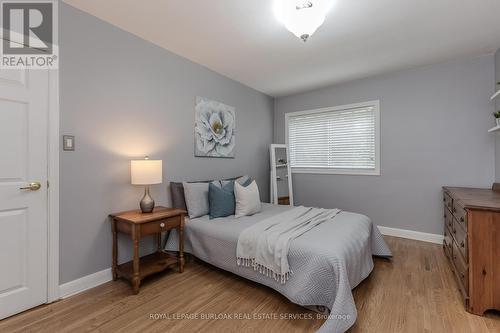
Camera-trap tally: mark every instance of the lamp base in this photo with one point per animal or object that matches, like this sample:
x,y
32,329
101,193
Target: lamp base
x,y
147,203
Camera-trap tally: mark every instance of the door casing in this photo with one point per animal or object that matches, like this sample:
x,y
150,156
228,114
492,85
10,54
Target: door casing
x,y
53,189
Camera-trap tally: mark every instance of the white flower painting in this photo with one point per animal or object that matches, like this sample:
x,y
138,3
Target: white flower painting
x,y
214,129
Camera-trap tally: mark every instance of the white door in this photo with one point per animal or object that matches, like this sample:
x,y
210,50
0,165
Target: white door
x,y
23,209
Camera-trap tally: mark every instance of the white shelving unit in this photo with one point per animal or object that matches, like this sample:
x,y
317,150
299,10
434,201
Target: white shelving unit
x,y
494,129
495,95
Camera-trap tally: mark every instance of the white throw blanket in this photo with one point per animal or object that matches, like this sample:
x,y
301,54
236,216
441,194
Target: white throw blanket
x,y
264,246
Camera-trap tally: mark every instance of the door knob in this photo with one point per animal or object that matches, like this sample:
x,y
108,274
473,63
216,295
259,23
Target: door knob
x,y
34,186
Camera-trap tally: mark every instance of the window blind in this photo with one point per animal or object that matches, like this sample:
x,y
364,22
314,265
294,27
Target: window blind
x,y
339,139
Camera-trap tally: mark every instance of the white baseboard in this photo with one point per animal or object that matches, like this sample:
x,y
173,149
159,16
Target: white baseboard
x,y
87,282
410,234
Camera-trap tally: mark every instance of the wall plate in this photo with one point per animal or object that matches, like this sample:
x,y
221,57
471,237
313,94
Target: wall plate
x,y
68,143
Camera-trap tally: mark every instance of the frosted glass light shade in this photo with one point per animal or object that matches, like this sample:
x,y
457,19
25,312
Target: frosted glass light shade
x,y
302,17
146,172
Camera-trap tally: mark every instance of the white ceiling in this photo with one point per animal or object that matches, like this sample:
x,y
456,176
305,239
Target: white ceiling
x,y
241,39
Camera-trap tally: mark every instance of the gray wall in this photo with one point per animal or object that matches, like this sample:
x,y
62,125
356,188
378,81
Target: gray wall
x,y
125,98
434,123
497,104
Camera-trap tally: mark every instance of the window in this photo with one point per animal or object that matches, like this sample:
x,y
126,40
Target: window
x,y
337,140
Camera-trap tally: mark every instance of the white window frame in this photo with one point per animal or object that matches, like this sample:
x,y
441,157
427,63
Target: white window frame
x,y
339,171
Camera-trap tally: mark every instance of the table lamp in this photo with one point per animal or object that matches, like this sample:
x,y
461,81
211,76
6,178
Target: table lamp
x,y
146,172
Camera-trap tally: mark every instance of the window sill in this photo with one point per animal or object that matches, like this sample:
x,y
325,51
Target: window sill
x,y
350,172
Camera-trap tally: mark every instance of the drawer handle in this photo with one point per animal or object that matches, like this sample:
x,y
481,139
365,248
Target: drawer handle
x,y
454,231
463,275
162,225
462,244
444,199
454,257
462,219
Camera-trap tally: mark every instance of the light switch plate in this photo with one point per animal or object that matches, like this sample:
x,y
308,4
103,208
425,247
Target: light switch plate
x,y
68,142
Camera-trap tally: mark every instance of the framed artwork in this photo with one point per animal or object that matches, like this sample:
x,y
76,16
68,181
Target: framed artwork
x,y
214,129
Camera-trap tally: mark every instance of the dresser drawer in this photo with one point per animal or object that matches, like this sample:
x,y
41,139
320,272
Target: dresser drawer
x,y
461,272
448,202
160,226
447,242
448,220
460,214
460,238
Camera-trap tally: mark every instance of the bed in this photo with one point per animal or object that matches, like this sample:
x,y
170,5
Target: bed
x,y
327,261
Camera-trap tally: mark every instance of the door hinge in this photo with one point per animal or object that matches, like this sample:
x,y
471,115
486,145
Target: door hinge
x,y
48,184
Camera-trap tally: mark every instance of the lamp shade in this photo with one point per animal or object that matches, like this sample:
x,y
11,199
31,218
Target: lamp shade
x,y
146,172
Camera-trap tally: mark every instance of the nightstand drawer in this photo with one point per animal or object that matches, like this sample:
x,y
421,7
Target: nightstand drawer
x,y
160,226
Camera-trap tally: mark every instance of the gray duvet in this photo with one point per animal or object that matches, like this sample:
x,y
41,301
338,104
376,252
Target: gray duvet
x,y
327,261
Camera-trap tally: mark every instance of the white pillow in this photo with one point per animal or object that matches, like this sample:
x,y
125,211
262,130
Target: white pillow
x,y
247,199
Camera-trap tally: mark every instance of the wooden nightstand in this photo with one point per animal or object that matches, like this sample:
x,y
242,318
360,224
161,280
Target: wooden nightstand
x,y
138,225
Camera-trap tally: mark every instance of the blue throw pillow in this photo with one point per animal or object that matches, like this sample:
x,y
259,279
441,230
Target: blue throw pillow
x,y
221,200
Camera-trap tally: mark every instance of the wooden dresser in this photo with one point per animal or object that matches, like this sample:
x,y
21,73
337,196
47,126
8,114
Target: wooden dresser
x,y
472,244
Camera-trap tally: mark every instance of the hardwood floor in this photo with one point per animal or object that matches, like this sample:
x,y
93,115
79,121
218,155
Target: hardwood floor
x,y
413,293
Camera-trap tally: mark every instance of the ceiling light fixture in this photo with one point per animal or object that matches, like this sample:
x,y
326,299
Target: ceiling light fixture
x,y
302,17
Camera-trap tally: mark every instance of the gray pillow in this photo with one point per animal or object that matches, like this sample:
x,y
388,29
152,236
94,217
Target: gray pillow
x,y
196,196
177,195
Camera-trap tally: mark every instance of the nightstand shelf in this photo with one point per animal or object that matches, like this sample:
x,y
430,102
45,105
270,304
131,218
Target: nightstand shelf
x,y
150,264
